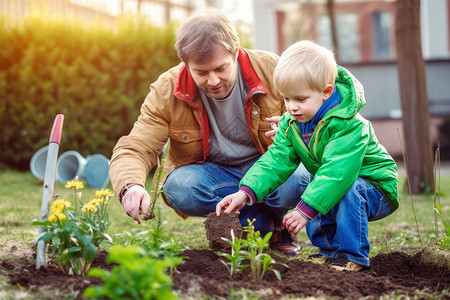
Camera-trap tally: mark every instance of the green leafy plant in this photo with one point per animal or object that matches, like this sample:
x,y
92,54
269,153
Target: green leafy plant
x,y
445,243
234,258
131,238
137,276
160,247
252,249
76,234
156,188
155,243
260,262
438,209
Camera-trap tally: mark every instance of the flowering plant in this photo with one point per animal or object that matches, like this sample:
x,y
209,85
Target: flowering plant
x,y
74,233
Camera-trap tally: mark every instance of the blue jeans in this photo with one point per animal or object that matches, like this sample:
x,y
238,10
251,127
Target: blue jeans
x,y
195,190
344,229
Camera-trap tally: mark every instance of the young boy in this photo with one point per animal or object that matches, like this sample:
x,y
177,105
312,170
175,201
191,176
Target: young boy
x,y
353,179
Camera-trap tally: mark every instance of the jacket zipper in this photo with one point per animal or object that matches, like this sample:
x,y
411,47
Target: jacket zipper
x,y
316,137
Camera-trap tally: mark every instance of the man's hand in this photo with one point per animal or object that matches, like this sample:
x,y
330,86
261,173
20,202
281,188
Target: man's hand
x,y
294,221
233,202
273,125
136,202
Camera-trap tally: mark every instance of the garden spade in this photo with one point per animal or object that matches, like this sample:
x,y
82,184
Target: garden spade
x,y
49,182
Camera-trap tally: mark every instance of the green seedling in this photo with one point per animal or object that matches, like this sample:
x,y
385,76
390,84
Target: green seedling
x,y
154,243
235,258
439,212
158,248
156,189
131,238
259,262
136,276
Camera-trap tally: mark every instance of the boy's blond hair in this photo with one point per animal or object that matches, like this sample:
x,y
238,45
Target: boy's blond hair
x,y
202,33
305,60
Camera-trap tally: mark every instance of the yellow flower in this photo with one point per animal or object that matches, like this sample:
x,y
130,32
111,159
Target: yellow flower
x,y
57,216
59,205
74,184
52,218
95,201
61,216
103,193
89,207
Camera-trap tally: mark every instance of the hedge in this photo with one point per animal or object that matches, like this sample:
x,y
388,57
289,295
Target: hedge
x,y
94,75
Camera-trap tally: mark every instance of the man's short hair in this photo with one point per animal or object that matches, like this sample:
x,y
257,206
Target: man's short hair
x,y
305,60
203,32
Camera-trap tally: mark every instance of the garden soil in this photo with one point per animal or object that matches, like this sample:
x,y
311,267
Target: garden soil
x,y
203,273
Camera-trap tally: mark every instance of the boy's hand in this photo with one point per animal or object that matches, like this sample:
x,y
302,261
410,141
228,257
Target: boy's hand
x,y
233,202
294,221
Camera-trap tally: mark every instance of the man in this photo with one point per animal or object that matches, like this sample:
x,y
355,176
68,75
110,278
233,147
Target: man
x,y
213,108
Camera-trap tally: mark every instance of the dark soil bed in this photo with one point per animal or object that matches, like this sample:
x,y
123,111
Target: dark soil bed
x,y
204,274
391,273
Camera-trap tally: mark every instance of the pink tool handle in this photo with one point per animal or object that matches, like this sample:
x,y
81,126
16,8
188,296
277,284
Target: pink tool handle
x,y
55,136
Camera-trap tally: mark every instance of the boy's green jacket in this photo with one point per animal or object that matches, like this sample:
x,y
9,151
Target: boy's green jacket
x,y
343,147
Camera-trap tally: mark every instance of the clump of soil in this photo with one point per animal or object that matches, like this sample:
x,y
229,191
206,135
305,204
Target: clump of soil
x,y
220,227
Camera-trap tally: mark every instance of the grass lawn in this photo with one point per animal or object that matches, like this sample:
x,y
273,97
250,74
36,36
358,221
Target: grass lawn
x,y
21,195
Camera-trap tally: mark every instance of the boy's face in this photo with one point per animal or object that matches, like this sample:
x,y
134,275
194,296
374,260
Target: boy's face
x,y
217,77
302,102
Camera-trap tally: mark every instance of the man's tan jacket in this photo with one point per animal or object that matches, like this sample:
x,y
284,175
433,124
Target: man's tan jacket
x,y
173,111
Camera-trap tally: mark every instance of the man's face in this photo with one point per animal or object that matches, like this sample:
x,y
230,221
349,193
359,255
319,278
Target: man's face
x,y
217,77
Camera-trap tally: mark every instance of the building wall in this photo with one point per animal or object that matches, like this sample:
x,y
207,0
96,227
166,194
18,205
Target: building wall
x,y
390,134
306,19
382,92
366,28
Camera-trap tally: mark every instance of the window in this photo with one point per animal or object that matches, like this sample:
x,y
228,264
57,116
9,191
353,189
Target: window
x,y
347,32
381,47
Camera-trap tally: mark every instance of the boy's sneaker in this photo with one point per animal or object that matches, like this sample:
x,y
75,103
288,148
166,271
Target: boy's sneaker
x,y
284,243
342,263
319,258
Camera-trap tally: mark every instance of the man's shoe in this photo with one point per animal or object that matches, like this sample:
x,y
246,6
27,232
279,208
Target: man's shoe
x,y
284,243
321,259
342,263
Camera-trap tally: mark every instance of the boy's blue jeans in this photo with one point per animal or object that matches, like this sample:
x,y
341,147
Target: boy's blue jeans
x,y
195,190
344,229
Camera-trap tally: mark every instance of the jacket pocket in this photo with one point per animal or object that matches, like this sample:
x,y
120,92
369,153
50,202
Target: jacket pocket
x,y
186,145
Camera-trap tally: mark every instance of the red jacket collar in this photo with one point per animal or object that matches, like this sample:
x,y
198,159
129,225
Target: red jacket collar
x,y
186,89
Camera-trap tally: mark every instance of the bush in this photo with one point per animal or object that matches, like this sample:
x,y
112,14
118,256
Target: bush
x,y
96,76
